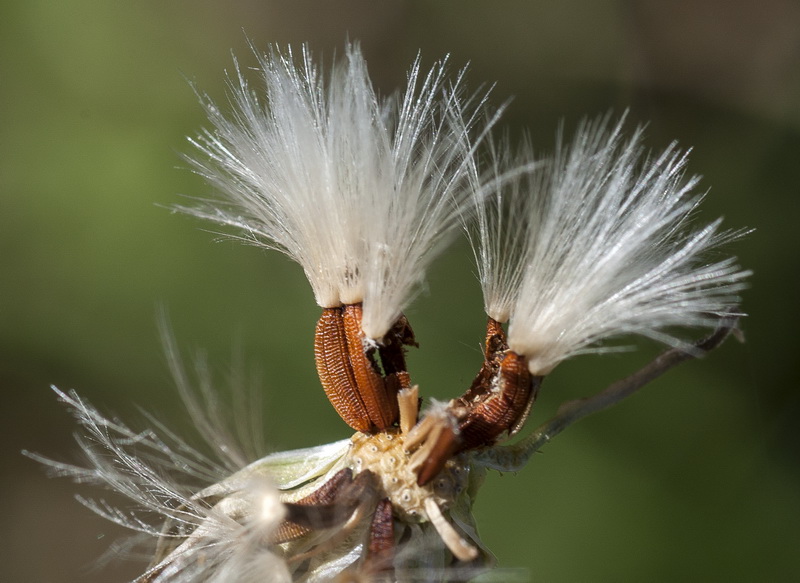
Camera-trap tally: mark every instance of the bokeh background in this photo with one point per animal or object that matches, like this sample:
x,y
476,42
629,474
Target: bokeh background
x,y
694,479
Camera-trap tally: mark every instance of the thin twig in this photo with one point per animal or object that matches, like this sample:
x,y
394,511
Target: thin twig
x,y
513,458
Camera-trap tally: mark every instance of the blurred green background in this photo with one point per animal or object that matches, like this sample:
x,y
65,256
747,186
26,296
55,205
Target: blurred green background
x,y
694,479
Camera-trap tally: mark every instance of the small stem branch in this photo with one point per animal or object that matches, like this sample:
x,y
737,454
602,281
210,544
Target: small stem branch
x,y
513,458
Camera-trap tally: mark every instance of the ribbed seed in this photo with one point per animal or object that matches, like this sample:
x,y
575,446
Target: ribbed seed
x,y
336,371
301,521
522,387
500,397
381,538
372,389
504,409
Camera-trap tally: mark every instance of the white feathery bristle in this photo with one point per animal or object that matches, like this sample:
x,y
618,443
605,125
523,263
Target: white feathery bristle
x,y
220,542
140,466
356,188
595,244
499,232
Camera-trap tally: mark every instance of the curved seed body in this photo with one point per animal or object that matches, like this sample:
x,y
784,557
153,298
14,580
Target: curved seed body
x,y
336,372
496,404
371,385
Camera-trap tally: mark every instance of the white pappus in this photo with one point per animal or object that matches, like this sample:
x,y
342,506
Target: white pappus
x,y
596,242
358,189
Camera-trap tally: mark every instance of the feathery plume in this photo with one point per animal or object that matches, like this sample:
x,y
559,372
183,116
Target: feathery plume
x,y
500,229
159,474
356,188
596,243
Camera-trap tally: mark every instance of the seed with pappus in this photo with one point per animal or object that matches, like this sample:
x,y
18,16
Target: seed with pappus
x,y
573,251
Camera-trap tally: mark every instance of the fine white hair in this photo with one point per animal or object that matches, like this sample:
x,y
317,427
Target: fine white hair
x,y
157,473
359,189
597,243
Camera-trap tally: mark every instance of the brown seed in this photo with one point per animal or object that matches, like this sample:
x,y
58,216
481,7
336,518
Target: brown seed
x,y
503,406
329,506
381,538
363,394
354,502
336,372
496,404
380,400
313,510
